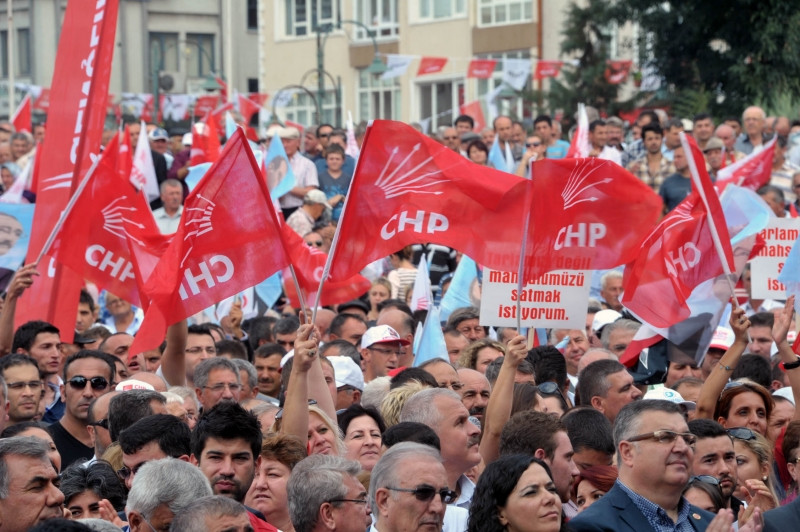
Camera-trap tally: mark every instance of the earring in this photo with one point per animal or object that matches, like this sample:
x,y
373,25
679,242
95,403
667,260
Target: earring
x,y
764,478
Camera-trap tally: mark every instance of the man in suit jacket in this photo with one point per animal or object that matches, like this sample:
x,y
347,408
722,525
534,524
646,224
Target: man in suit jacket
x,y
655,452
783,518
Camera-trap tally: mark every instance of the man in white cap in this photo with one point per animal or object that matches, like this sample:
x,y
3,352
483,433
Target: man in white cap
x,y
380,351
672,396
349,381
314,206
305,173
721,341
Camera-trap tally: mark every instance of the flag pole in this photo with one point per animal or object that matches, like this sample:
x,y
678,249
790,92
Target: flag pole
x,y
521,267
300,295
72,200
334,243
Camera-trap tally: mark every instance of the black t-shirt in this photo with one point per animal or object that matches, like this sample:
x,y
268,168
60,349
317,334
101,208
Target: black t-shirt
x,y
674,190
68,447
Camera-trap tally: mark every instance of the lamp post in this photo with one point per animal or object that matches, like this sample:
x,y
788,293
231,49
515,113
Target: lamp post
x,y
377,67
310,94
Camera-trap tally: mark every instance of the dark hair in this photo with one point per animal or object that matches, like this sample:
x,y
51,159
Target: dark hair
x,y
286,325
413,374
26,334
226,421
702,116
92,353
234,347
17,428
399,304
60,524
755,368
464,118
763,319
346,349
338,322
528,431
593,380
653,127
493,489
593,125
284,448
712,490
129,407
733,119
86,299
259,328
477,143
98,477
324,125
267,350
543,118
355,411
652,114
202,328
791,440
726,397
588,428
334,148
171,434
525,397
548,365
706,428
493,369
17,359
413,432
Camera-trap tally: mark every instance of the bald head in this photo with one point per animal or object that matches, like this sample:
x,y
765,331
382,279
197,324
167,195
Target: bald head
x,y
152,379
324,318
593,355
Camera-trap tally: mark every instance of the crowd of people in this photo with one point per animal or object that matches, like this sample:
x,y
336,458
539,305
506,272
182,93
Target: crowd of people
x,y
275,422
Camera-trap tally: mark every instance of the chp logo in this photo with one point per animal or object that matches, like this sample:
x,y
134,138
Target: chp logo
x,y
581,187
114,220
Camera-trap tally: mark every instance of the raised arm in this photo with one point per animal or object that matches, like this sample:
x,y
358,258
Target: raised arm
x,y
780,329
173,360
712,388
498,411
295,406
22,279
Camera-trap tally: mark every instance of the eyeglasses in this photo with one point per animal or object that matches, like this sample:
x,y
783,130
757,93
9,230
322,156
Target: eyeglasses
x,y
707,479
532,144
211,350
315,243
100,423
386,352
220,387
124,472
79,382
357,501
279,414
551,388
33,385
323,135
427,493
741,433
666,436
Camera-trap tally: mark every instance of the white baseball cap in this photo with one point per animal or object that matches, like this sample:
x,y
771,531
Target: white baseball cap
x,y
381,334
134,384
347,372
723,339
668,394
604,317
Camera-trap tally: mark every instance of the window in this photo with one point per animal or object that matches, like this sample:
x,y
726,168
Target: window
x,y
164,51
441,101
379,15
301,109
437,9
252,14
200,54
252,84
377,98
499,12
22,49
513,106
304,16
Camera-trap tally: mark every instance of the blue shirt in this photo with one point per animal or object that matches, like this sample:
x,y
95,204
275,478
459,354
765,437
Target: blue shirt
x,y
657,516
558,150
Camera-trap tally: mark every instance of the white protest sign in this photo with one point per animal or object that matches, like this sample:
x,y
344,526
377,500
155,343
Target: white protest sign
x,y
558,299
779,236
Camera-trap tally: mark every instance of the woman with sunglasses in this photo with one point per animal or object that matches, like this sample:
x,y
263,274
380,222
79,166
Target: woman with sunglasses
x,y
754,468
516,493
703,491
535,150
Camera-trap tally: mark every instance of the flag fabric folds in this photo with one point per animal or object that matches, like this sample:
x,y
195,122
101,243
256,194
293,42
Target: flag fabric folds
x,y
580,146
753,171
22,118
431,342
228,240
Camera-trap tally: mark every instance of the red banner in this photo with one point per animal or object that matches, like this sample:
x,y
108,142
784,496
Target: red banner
x,y
75,127
22,116
547,69
42,102
205,105
474,110
617,71
431,65
481,68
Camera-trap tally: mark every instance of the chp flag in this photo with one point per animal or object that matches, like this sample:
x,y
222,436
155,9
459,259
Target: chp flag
x,y
228,240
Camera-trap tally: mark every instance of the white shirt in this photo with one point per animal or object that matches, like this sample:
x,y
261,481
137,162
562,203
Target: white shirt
x,y
167,224
305,175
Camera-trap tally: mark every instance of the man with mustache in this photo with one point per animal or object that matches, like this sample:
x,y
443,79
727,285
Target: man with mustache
x,y
267,360
475,392
442,410
24,383
714,456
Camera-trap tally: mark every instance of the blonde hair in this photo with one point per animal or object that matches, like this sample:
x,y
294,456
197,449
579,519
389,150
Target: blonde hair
x,y
761,447
341,449
393,403
469,356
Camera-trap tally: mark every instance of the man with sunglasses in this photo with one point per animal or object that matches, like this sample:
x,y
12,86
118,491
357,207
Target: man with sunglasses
x,y
380,351
408,489
714,456
654,456
87,375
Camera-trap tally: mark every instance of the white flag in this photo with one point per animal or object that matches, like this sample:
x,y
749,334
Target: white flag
x,y
143,173
396,65
516,72
421,295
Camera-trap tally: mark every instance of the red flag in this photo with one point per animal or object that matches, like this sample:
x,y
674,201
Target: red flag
x,y
474,110
92,240
205,105
75,126
431,65
205,142
547,69
408,189
481,68
223,88
753,171
35,171
580,146
248,108
218,115
228,240
260,98
42,102
22,116
587,214
617,71
308,265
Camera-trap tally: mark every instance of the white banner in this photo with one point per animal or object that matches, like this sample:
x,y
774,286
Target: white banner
x,y
396,65
516,72
779,236
559,299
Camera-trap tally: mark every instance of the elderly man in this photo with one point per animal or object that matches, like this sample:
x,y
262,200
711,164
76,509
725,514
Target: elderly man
x,y
213,514
617,335
216,380
752,139
28,484
408,489
381,349
163,488
606,386
442,410
727,135
654,456
325,495
168,216
466,320
305,172
302,220
475,392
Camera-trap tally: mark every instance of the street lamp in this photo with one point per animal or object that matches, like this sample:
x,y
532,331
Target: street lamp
x,y
298,87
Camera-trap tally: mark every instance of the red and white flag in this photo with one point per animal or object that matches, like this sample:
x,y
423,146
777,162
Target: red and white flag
x,y
547,69
247,108
143,173
580,146
421,295
22,118
587,214
753,171
409,189
481,68
75,127
431,65
228,240
205,142
617,71
475,110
